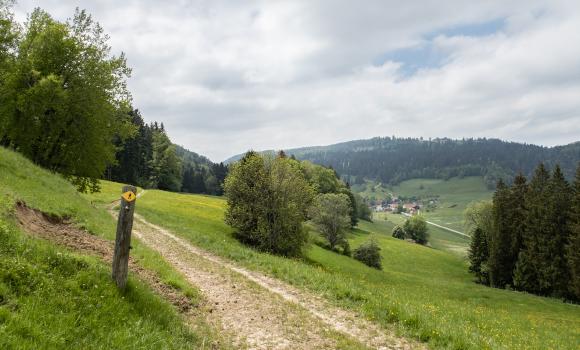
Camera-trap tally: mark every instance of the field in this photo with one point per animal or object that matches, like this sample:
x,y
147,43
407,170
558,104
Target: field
x,y
438,238
52,298
451,198
426,293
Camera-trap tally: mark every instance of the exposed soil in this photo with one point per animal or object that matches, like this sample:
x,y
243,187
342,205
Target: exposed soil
x,y
63,233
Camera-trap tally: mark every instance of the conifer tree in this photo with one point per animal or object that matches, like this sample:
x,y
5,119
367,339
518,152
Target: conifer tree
x,y
516,220
531,264
574,247
500,240
555,273
478,256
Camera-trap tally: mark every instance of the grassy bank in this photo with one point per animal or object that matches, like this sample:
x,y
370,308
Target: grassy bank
x,y
53,298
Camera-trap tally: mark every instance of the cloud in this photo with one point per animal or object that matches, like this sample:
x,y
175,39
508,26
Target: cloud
x,y
226,76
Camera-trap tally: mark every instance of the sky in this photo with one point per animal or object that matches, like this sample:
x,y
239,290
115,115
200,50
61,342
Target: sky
x,y
228,76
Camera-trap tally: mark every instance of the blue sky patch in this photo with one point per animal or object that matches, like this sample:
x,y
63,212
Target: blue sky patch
x,y
426,56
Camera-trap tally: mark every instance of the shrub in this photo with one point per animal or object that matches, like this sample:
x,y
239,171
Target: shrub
x,y
369,253
267,202
399,232
416,228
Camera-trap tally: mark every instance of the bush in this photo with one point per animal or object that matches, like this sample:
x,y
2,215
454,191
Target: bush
x,y
416,228
369,253
267,202
399,232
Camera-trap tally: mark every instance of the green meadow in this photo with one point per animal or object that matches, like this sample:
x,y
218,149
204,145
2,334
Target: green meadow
x,y
426,293
52,298
452,196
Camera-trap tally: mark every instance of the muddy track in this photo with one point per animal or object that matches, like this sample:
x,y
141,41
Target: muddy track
x,y
260,311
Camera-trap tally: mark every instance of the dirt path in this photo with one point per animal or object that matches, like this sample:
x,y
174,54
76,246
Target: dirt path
x,y
262,312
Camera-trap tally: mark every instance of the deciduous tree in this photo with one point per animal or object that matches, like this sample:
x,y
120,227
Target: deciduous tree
x,y
330,214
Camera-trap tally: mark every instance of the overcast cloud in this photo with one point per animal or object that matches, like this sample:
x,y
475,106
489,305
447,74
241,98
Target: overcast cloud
x,y
228,76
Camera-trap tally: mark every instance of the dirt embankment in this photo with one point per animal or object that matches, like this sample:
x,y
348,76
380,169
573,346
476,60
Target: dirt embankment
x,y
63,233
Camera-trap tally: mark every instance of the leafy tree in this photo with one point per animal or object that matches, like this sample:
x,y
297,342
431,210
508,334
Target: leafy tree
x,y
8,39
267,203
478,255
323,180
479,222
574,247
352,204
330,214
399,232
363,211
65,98
165,165
416,228
479,215
369,253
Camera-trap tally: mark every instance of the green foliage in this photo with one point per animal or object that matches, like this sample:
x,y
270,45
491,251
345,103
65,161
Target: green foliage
x,y
65,97
362,209
574,247
352,205
267,203
330,215
542,267
479,222
369,253
399,232
391,160
416,228
165,166
323,180
478,255
500,239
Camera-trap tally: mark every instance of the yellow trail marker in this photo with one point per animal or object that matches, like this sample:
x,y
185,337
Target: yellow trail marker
x,y
129,196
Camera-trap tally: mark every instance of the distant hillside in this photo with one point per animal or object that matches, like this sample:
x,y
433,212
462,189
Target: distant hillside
x,y
392,160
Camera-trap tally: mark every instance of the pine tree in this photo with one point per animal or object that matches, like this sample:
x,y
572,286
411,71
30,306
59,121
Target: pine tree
x,y
478,256
574,247
533,260
556,274
516,220
500,240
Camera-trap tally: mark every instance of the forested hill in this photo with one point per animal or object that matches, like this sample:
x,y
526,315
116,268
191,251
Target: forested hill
x,y
392,160
149,159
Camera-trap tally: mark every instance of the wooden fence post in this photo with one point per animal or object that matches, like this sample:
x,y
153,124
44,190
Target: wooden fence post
x,y
123,239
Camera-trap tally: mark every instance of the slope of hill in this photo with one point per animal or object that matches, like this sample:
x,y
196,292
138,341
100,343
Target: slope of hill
x,y
425,293
391,160
51,297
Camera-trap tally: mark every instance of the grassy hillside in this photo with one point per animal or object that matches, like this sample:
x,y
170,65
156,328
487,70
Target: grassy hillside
x,y
439,238
53,298
425,292
451,198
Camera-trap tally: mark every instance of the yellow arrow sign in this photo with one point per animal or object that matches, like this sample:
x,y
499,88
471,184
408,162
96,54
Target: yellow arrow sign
x,y
129,196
